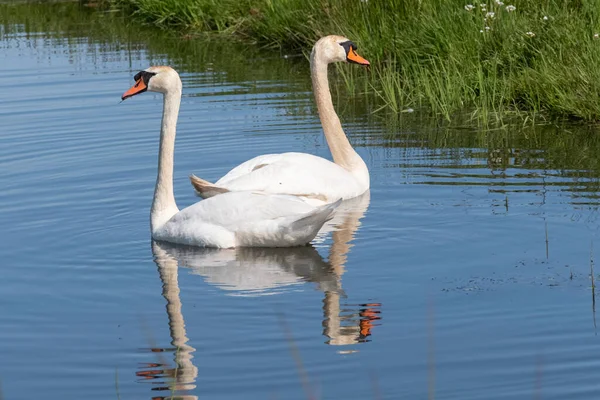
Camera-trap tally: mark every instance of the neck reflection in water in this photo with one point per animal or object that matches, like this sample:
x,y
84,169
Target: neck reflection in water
x,y
183,376
259,271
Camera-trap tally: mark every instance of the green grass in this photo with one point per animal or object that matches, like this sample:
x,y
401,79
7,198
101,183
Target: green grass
x,y
426,54
207,15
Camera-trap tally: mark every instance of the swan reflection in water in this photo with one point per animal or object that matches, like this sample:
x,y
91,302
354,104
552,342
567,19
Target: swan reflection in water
x,y
183,376
264,271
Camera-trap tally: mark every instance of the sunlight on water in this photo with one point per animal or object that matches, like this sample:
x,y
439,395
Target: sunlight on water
x,y
463,274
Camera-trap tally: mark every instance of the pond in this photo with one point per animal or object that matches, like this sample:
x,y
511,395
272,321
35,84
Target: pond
x,y
463,274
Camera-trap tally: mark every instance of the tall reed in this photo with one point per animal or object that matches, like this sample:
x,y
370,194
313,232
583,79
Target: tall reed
x,y
447,57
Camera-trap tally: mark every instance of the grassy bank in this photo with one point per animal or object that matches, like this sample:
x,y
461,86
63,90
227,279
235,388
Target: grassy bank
x,y
539,59
563,146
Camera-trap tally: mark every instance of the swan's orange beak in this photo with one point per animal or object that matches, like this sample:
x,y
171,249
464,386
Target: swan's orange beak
x,y
138,88
355,58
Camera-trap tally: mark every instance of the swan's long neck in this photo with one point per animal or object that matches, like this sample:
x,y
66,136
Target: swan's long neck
x,y
163,205
341,150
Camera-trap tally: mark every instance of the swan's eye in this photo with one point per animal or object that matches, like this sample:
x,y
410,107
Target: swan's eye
x,y
141,84
144,75
348,46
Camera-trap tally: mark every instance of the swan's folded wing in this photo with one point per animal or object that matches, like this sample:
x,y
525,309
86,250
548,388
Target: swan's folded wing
x,y
300,174
247,219
248,167
232,209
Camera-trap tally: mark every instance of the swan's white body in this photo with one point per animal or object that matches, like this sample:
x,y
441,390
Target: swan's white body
x,y
233,219
313,178
245,219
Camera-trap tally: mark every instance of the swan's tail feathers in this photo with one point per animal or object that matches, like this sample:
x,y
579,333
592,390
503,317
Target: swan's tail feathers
x,y
313,221
205,189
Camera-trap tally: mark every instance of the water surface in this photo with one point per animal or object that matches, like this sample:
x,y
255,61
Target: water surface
x,y
463,274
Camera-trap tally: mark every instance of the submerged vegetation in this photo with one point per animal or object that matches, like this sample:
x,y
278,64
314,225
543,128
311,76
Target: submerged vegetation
x,y
486,59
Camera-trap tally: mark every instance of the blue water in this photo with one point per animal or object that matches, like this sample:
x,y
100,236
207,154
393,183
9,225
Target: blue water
x,y
456,279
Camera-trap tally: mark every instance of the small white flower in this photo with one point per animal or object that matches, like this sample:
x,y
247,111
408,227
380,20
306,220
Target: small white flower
x,y
364,1
481,31
545,18
469,7
596,35
484,9
487,28
499,3
530,34
490,15
483,5
510,8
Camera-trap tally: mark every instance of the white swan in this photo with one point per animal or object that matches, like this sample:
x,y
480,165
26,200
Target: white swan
x,y
315,179
234,219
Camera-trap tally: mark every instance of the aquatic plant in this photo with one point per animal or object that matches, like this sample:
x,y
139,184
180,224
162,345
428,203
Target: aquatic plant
x,y
427,53
446,58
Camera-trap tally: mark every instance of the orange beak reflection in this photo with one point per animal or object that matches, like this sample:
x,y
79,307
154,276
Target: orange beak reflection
x,y
355,58
138,88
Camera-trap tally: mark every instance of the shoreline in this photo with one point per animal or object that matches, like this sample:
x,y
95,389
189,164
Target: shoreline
x,y
492,62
